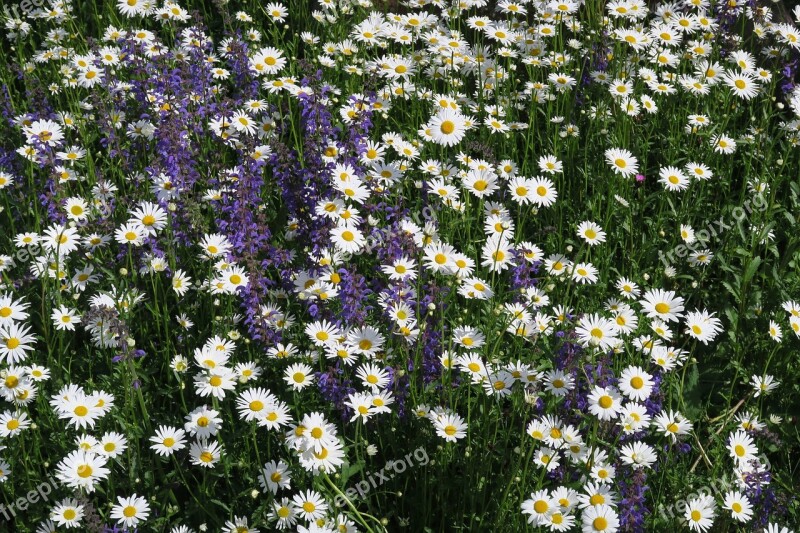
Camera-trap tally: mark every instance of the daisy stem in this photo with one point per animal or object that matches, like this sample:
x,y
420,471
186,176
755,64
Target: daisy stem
x,y
255,444
359,516
511,482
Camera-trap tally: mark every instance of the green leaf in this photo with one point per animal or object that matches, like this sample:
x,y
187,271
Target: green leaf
x,y
349,470
691,393
223,505
731,290
751,270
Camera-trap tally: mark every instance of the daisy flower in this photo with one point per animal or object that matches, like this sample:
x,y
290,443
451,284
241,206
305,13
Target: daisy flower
x,y
67,513
447,127
672,424
130,234
76,209
481,183
361,404
775,331
539,507
741,447
591,232
638,454
12,310
763,384
373,376
365,340
550,164
673,179
168,440
267,60
544,192
284,513
130,511
739,505
496,254
275,476
150,217
627,288
593,330
11,424
742,84
599,518
401,269
662,304
310,505
622,162
45,132
112,445
82,470
604,403
703,326
700,513
450,427
298,376
635,383
699,171
205,454
203,422
181,282
215,383
558,383
348,239
584,273
252,403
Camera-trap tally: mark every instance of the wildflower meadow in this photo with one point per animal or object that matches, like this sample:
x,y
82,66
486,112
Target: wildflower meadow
x,y
399,265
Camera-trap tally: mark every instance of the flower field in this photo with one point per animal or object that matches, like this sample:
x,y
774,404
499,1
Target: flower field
x,y
415,265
